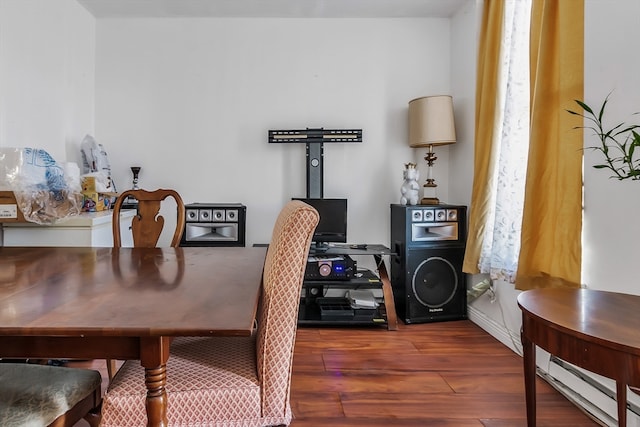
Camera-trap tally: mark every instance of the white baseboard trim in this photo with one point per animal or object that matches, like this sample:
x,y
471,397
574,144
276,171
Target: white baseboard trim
x,y
498,331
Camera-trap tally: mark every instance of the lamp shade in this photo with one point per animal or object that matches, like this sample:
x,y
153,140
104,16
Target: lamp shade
x,y
431,121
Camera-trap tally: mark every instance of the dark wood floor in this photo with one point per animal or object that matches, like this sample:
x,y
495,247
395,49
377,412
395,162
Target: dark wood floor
x,y
436,374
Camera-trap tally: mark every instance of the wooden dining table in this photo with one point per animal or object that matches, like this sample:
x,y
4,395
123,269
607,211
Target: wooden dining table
x,y
124,303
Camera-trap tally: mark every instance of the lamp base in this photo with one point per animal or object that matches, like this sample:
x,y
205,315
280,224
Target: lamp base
x,y
429,193
429,201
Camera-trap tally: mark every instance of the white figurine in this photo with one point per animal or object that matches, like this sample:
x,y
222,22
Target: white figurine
x,y
410,188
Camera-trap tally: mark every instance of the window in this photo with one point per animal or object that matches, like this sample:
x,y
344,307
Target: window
x,y
501,242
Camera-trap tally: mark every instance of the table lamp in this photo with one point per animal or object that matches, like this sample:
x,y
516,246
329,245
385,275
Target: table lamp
x,y
431,123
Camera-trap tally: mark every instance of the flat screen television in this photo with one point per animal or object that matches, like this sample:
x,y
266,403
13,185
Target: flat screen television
x,y
332,227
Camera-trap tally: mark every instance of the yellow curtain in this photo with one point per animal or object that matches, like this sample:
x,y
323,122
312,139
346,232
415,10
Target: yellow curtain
x,y
486,116
551,250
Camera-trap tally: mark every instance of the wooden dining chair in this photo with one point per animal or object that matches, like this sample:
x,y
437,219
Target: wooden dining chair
x,y
232,381
146,226
53,396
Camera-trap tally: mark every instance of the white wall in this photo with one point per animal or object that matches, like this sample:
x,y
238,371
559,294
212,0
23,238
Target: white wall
x,y
611,226
191,101
464,47
47,59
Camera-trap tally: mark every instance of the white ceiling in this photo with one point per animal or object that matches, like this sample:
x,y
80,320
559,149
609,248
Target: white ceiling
x,y
274,8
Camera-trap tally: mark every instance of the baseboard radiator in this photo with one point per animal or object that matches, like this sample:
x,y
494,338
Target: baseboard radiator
x,y
594,393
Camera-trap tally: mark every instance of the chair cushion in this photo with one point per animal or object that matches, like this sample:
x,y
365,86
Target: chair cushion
x,y
35,395
210,380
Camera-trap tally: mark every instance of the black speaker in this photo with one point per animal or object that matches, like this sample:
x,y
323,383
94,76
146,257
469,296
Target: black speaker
x,y
426,269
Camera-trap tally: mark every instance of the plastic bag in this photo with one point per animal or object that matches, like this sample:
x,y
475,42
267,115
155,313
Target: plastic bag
x,y
95,160
44,193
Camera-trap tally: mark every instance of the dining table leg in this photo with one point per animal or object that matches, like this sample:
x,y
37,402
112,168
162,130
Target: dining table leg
x,y
154,354
156,402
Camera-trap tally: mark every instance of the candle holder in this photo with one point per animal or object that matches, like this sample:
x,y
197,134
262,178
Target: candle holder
x,y
136,171
131,202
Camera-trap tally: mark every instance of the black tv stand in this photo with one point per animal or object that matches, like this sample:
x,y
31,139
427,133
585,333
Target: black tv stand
x,y
316,310
314,139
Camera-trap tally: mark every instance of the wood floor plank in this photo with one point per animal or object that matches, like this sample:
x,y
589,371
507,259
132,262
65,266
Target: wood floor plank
x,y
491,383
362,382
388,343
447,406
477,345
498,364
313,405
558,422
307,362
386,422
343,338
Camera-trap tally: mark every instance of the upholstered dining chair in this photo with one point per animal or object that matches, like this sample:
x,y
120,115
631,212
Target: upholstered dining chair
x,y
146,225
232,381
53,396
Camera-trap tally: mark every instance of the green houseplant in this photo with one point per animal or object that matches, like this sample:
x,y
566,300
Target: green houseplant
x,y
618,144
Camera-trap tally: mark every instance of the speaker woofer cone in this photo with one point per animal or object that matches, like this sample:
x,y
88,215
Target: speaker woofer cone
x,y
434,282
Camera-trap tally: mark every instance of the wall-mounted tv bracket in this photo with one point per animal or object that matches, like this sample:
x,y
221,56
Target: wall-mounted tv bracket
x,y
314,140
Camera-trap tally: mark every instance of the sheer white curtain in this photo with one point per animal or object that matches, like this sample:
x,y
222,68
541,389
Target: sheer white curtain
x,y
501,242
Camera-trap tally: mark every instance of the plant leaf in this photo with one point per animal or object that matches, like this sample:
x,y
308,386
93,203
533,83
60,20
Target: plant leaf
x,y
604,104
584,106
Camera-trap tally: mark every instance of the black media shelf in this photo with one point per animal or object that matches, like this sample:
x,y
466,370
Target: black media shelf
x,y
339,313
319,309
365,279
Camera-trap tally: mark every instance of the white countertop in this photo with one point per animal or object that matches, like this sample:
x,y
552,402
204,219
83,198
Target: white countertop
x,y
85,219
